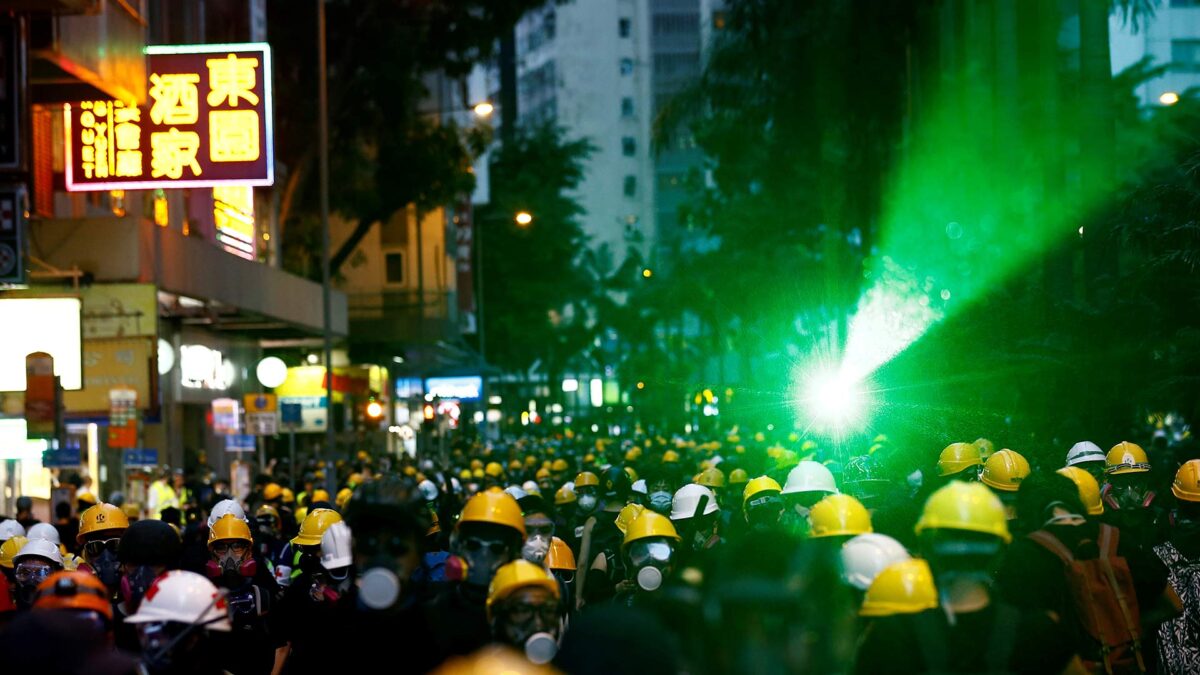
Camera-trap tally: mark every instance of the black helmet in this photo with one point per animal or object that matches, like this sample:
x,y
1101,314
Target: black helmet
x,y
616,482
150,542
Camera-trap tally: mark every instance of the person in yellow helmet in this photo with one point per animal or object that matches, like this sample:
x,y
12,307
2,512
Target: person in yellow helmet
x,y
1064,546
762,504
649,550
250,591
1127,485
1003,473
544,480
489,534
962,533
837,519
99,538
959,461
523,607
1180,554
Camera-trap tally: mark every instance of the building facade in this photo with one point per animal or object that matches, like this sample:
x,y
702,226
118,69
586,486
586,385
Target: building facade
x,y
1170,37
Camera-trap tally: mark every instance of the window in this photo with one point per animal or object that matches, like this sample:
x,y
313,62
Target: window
x,y
624,27
630,186
627,106
629,146
1185,3
1185,55
395,268
626,66
676,24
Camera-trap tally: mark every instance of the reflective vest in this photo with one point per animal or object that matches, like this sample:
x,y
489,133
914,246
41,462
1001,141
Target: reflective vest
x,y
163,496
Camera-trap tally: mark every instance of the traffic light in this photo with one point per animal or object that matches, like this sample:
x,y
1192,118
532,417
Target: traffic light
x,y
430,412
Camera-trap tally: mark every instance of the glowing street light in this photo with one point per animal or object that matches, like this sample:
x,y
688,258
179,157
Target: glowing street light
x,y
1168,98
484,109
524,218
834,400
647,272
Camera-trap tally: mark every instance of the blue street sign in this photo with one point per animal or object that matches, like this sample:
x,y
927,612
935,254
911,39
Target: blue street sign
x,y
62,457
239,443
291,413
141,457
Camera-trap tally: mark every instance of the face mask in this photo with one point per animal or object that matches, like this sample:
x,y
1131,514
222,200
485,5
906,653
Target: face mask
x,y
699,539
649,578
540,648
134,585
107,569
587,503
379,588
536,548
483,559
660,502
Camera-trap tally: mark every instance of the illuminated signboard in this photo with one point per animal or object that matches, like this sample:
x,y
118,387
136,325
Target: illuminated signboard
x,y
461,388
233,216
208,123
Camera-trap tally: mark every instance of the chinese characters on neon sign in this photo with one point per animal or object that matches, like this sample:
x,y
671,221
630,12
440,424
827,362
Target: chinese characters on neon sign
x,y
207,123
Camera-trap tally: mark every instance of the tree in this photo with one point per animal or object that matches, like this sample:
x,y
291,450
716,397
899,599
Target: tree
x,y
534,289
385,152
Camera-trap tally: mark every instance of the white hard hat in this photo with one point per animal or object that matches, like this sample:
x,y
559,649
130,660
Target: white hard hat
x,y
866,555
44,531
569,486
335,547
639,486
1084,452
516,492
688,499
225,507
39,547
11,528
183,597
532,488
809,476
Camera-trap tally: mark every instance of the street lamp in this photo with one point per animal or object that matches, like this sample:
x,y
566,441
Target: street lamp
x,y
523,218
647,272
484,109
1168,98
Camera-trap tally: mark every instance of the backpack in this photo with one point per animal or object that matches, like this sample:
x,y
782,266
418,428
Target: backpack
x,y
1103,596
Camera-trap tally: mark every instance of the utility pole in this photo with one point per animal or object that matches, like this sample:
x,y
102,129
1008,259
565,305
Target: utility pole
x,y
323,161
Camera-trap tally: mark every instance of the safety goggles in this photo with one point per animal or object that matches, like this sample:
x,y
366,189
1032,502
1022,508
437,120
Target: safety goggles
x,y
33,571
523,613
642,553
546,530
94,548
237,546
493,547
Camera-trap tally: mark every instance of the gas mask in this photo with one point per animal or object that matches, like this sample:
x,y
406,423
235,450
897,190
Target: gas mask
x,y
660,501
587,503
533,628
232,564
383,569
135,583
483,558
535,549
1130,496
963,558
106,567
651,559
330,586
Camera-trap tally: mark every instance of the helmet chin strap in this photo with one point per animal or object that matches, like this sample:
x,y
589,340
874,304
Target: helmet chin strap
x,y
220,596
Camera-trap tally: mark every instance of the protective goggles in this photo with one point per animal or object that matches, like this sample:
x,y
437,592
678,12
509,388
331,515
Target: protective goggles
x,y
94,548
642,553
32,572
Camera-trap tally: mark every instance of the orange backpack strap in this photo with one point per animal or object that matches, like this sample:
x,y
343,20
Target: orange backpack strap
x,y
1051,543
1109,540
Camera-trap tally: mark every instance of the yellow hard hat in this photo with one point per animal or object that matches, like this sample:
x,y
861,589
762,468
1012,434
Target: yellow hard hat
x,y
965,506
633,476
9,550
495,507
564,496
761,484
632,454
738,477
267,510
1126,457
560,556
986,448
465,474
958,457
477,474
493,469
1186,486
542,473
711,478
230,526
320,495
343,497
514,465
476,464
86,498
101,518
839,515
301,513
410,471
586,479
1089,489
670,457
530,461
905,587
589,458
354,480
760,437
1005,470
516,575
628,513
289,497
786,459
272,491
649,524
559,464
313,527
